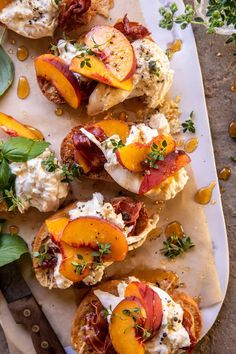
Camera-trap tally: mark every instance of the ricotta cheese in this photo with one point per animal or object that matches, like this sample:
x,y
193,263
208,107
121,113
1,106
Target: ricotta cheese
x,y
132,181
36,187
31,18
171,336
152,80
158,121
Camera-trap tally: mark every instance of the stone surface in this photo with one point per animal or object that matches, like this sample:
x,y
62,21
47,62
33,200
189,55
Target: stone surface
x,y
219,74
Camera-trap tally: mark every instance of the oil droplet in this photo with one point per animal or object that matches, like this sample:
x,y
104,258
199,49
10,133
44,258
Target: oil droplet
x,y
224,173
174,228
233,88
22,53
13,229
191,145
174,47
232,129
36,132
23,88
10,51
12,41
59,111
203,195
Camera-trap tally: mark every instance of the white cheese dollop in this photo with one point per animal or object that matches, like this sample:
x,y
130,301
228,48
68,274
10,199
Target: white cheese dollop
x,y
174,334
141,133
36,187
158,121
31,18
152,80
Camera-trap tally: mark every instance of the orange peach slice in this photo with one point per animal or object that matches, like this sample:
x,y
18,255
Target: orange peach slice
x,y
114,126
84,164
114,49
90,231
166,168
54,69
76,262
55,227
14,128
122,329
4,3
133,155
97,70
150,301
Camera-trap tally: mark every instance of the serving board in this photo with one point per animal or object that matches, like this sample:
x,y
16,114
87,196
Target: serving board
x,y
189,85
37,111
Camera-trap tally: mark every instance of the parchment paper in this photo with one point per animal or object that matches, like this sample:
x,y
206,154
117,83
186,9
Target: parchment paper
x,y
196,269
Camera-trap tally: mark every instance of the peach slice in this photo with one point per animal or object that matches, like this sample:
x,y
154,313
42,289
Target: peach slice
x,y
114,49
54,69
14,128
84,163
55,227
76,262
133,155
90,231
150,301
96,70
166,168
114,126
123,332
4,3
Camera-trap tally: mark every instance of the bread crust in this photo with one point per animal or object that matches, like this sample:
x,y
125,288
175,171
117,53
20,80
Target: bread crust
x,y
77,337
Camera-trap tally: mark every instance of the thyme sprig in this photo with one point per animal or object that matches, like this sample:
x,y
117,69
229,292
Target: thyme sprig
x,y
175,246
156,154
188,125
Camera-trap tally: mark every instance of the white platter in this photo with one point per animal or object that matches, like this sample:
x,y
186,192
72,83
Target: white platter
x,y
188,84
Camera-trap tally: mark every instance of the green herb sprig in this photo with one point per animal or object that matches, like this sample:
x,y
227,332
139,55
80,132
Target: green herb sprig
x,y
219,13
116,144
175,246
188,125
103,250
80,266
156,154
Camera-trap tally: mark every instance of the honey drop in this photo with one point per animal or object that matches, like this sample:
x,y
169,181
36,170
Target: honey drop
x,y
232,129
175,46
224,173
203,195
23,88
174,228
22,53
59,111
191,145
13,229
36,132
233,88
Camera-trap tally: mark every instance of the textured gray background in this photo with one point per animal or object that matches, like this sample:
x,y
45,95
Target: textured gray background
x,y
219,74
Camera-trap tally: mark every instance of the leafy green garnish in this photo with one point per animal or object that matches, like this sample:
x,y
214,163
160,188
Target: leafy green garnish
x,y
71,172
175,246
219,13
103,249
156,154
80,266
188,125
12,247
116,144
51,164
7,70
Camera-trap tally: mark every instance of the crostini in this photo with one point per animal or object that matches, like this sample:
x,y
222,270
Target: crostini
x,y
40,18
131,316
123,60
142,159
31,175
79,242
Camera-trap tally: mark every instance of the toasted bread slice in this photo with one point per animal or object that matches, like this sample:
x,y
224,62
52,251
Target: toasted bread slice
x,y
191,320
46,278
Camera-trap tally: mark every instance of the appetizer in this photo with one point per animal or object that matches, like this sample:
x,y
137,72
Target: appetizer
x,y
141,158
31,175
79,242
131,316
123,59
40,18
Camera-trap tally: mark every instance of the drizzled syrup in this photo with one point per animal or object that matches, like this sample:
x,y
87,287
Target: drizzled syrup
x,y
203,195
22,53
191,145
224,173
23,88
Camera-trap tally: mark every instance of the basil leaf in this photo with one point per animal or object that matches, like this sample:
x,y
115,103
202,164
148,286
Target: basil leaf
x,y
5,173
7,71
21,149
11,248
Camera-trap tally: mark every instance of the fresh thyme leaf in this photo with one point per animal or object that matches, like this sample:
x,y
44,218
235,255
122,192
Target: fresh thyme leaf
x,y
156,154
54,49
51,164
219,13
12,200
175,246
188,125
80,267
69,173
116,144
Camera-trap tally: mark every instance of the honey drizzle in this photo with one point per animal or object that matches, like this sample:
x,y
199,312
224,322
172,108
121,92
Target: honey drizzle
x,y
232,129
23,88
191,145
36,132
174,228
22,53
224,173
203,195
